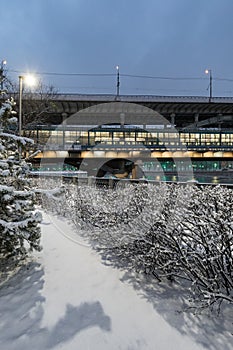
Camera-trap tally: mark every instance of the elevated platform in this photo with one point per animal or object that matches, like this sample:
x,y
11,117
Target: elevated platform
x,y
182,111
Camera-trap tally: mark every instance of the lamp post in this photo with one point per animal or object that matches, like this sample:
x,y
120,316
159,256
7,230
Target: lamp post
x,y
30,81
118,80
209,71
20,103
3,63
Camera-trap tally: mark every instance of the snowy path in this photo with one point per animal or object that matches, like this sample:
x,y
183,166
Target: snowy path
x,y
68,300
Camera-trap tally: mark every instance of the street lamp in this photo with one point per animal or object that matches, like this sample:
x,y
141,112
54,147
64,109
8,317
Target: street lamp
x,y
3,63
29,80
118,80
209,71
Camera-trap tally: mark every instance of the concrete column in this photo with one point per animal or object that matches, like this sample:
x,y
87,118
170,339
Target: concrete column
x,y
196,117
137,172
64,117
173,118
122,119
134,171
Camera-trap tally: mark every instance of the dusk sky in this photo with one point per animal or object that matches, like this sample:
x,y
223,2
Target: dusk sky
x,y
156,38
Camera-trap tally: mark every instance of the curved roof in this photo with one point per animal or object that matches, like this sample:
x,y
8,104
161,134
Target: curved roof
x,y
117,112
71,103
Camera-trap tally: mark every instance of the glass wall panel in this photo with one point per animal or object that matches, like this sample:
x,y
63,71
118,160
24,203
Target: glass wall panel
x,y
43,136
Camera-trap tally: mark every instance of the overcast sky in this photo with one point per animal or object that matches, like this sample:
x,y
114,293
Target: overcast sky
x,y
158,38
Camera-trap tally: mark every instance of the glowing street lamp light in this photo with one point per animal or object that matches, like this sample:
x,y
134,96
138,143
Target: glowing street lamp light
x,y
30,80
209,71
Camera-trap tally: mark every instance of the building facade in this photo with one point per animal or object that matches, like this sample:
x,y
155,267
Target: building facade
x,y
160,133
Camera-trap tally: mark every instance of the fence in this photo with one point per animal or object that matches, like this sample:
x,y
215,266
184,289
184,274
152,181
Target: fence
x,y
83,179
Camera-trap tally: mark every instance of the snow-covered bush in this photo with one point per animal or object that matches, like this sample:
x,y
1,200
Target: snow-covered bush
x,y
19,230
50,194
111,217
196,245
175,232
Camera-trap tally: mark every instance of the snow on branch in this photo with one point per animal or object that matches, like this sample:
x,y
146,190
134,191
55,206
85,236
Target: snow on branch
x,y
19,230
182,233
19,139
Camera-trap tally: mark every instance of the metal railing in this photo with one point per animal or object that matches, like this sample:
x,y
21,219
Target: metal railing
x,y
111,182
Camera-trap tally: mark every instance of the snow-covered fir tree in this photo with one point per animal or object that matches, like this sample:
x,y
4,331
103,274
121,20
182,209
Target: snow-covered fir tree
x,y
19,229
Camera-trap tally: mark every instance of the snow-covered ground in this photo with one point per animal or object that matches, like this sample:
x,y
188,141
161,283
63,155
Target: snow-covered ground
x,y
68,299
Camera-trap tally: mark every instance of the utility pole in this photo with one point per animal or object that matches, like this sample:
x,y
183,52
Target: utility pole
x,y
118,81
209,71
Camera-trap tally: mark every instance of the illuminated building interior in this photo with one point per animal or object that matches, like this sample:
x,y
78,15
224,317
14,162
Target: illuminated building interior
x,y
162,133
210,150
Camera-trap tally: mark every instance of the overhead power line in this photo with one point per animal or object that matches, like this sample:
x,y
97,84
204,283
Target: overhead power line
x,y
161,78
223,79
110,75
122,75
65,74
